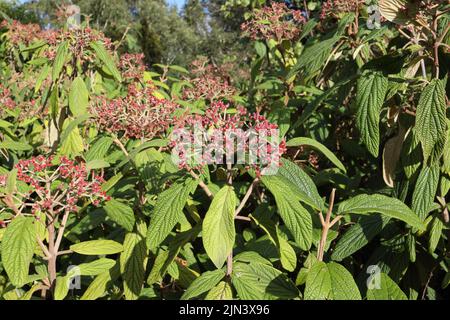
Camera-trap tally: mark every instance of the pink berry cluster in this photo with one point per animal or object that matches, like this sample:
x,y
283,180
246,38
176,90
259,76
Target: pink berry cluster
x,y
276,22
58,185
19,33
332,8
5,99
232,125
139,115
209,82
132,66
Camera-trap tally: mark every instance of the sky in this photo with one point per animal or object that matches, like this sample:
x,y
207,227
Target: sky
x,y
178,3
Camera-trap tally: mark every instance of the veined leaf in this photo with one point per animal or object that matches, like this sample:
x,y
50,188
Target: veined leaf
x,y
221,292
385,289
168,212
256,281
106,58
120,213
425,190
372,89
358,236
297,219
18,245
218,226
204,283
78,97
132,262
97,247
430,118
319,147
366,204
305,187
60,59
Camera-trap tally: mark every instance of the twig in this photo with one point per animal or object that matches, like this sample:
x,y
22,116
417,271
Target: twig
x,y
201,183
327,224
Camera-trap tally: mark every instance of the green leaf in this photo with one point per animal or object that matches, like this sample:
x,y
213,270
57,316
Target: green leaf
x,y
97,164
204,283
287,254
343,287
319,147
15,146
358,236
366,204
101,283
221,292
430,118
168,212
297,219
314,57
93,268
60,59
17,249
318,282
133,261
425,190
99,149
78,97
73,144
372,89
305,187
97,247
435,234
257,281
411,154
120,213
106,58
330,281
218,226
446,155
387,290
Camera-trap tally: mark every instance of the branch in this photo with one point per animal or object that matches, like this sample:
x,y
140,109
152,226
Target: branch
x,y
327,224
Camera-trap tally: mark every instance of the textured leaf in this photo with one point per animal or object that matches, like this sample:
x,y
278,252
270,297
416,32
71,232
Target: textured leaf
x,y
305,187
435,234
256,281
431,119
60,59
411,154
358,236
15,146
425,190
106,58
330,281
372,89
387,290
73,144
343,287
168,212
78,97
99,149
204,283
120,213
100,284
221,292
366,204
297,219
318,282
133,261
18,245
218,226
319,147
97,247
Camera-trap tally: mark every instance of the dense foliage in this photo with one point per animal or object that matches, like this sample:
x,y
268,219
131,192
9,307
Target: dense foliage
x,y
93,206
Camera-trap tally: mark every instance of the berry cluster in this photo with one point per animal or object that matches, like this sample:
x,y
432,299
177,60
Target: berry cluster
x,y
132,66
227,130
276,22
57,185
19,33
208,82
139,115
335,7
5,99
